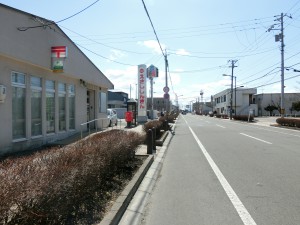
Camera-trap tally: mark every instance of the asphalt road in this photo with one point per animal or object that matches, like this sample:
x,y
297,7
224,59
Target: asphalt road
x,y
222,172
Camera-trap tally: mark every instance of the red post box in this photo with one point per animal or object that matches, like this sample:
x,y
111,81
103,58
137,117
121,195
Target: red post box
x,y
128,116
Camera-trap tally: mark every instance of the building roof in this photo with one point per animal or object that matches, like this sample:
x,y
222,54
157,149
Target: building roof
x,y
23,26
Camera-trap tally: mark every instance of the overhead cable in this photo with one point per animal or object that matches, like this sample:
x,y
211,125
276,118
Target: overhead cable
x,y
51,23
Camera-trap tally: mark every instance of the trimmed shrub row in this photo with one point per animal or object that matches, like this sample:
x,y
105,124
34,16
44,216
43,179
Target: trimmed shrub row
x,y
288,122
244,117
223,116
157,124
69,185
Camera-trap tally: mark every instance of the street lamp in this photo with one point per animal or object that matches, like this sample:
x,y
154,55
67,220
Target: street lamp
x,y
231,92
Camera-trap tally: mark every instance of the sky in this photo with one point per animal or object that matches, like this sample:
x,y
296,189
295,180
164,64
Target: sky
x,y
200,39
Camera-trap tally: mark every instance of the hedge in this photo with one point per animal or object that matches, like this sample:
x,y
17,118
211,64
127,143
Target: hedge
x,y
244,117
68,185
288,122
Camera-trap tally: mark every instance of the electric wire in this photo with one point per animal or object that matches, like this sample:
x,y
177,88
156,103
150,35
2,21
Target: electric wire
x,y
51,23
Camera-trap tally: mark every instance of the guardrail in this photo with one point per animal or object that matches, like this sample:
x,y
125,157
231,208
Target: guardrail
x,y
96,124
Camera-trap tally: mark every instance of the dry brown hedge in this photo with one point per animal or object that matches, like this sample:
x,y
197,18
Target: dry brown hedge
x,y
66,185
288,122
244,117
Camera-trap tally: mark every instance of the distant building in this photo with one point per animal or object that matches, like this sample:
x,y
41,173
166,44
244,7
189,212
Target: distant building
x,y
159,104
117,99
274,99
202,107
49,86
242,101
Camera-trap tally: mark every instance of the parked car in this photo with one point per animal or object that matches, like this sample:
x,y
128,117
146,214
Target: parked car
x,y
112,117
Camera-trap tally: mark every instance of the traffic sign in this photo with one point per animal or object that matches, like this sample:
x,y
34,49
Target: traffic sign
x,y
166,96
166,89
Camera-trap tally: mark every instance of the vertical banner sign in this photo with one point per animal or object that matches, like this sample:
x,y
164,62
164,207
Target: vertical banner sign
x,y
142,90
58,55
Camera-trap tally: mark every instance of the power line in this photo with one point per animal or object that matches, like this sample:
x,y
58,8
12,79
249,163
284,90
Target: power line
x,y
123,50
51,23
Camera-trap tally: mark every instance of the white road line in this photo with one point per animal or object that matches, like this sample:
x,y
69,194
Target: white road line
x,y
220,126
256,138
275,131
236,202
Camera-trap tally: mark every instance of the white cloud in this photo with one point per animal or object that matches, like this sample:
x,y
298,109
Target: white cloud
x,y
152,44
116,54
122,79
182,52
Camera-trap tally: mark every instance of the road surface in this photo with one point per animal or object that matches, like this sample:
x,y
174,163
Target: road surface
x,y
218,171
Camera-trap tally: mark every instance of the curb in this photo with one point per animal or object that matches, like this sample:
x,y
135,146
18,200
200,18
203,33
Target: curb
x,y
122,202
160,142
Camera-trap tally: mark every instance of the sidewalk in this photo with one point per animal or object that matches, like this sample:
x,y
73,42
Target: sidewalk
x,y
265,121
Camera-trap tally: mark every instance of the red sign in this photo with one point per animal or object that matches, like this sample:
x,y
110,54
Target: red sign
x,y
59,52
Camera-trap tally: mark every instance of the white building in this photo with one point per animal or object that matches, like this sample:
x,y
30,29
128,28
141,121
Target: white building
x,y
274,99
242,101
45,95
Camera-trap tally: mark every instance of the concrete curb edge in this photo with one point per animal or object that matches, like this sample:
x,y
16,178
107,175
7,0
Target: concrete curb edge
x,y
122,202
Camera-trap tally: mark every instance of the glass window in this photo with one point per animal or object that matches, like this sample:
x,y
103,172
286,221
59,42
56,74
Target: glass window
x,y
103,102
36,106
50,85
18,105
50,106
50,112
36,82
18,78
71,106
61,87
62,106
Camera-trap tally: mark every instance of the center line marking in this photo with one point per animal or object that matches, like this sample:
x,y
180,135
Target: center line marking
x,y
256,138
236,202
220,126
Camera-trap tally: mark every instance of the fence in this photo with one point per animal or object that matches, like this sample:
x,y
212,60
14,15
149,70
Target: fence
x,y
96,125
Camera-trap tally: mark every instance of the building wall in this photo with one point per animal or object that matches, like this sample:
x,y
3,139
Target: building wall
x,y
29,52
159,104
263,100
242,101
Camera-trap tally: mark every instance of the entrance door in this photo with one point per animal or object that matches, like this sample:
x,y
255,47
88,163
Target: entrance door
x,y
90,107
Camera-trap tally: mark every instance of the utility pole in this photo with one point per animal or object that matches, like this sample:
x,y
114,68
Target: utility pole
x,y
280,37
282,110
166,95
231,92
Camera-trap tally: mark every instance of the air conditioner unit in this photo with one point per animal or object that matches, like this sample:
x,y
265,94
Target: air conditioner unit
x,y
2,93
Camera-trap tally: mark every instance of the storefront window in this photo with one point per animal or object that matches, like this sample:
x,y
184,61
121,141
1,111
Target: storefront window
x,y
36,106
50,106
62,106
18,105
71,106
